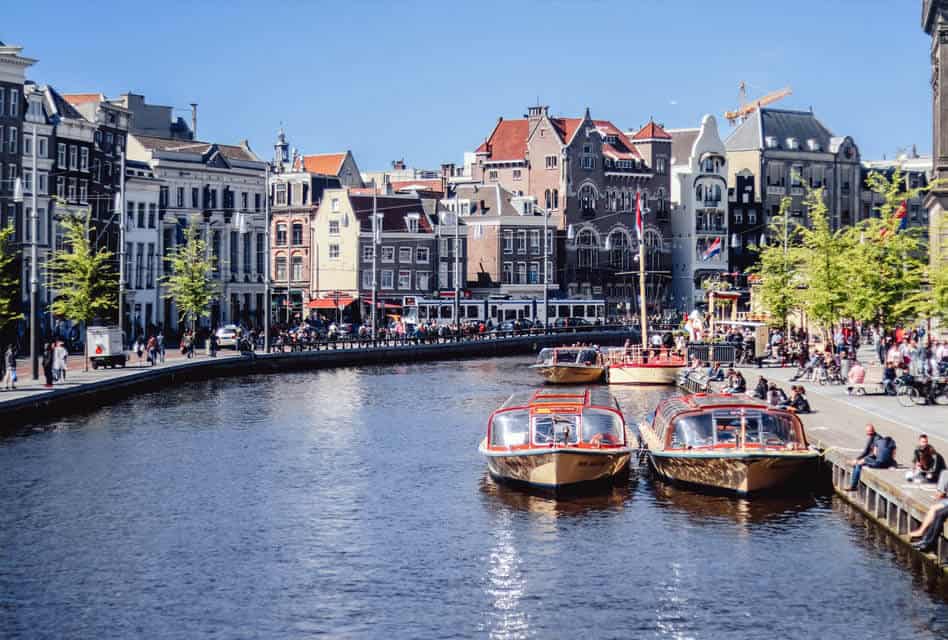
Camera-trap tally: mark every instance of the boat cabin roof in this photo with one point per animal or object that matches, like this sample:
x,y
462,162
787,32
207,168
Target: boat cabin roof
x,y
562,398
671,407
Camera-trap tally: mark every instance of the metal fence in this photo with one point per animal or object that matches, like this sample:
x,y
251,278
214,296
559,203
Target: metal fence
x,y
723,353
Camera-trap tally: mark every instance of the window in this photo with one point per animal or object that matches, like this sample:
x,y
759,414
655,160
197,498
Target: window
x,y
61,186
770,142
738,216
587,199
43,151
366,279
297,194
96,170
422,280
334,205
556,199
245,245
334,251
816,176
368,250
297,230
256,202
404,255
334,227
152,212
421,255
521,241
139,265
281,233
521,273
660,165
281,268
388,281
150,276
507,273
751,217
796,175
261,253
404,280
411,223
517,174
508,241
243,201
280,198
43,183
27,145
587,249
388,254
535,241
552,162
533,273
492,175
588,162
73,157
84,159
234,251
61,155
83,191
11,139
297,266
14,102
195,198
443,277
3,98
71,194
179,197
549,242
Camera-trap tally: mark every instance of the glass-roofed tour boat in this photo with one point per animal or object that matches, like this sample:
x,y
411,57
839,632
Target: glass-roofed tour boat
x,y
726,442
554,440
570,365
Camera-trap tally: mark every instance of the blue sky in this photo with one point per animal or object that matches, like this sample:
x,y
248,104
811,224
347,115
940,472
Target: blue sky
x,y
427,81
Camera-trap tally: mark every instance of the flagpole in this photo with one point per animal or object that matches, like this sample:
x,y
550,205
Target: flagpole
x,y
639,230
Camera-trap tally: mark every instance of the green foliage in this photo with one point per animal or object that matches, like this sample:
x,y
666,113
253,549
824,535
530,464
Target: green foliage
x,y
9,282
778,265
190,283
886,268
84,279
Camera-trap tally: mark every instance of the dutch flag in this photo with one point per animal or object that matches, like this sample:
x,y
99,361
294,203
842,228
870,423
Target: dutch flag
x,y
714,249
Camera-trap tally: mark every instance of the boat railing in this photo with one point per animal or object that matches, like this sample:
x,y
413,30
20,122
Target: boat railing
x,y
640,356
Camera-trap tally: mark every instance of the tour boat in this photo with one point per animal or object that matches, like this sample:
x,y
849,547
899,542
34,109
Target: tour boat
x,y
553,440
570,365
636,365
726,442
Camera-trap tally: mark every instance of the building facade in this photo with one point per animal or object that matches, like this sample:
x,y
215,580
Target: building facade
x,y
916,173
587,173
143,268
787,151
746,226
153,119
935,24
208,185
699,226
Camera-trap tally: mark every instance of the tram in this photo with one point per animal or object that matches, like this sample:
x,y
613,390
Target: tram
x,y
418,310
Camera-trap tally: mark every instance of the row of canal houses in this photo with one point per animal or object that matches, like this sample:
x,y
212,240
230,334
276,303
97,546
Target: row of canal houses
x,y
543,202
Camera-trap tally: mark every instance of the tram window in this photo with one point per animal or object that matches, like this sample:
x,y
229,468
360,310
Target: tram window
x,y
555,428
493,311
447,312
563,310
519,314
552,312
510,429
600,311
579,310
526,311
422,312
472,311
510,314
601,427
692,431
590,311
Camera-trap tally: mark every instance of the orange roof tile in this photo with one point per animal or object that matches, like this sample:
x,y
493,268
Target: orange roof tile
x,y
651,131
508,141
328,164
433,184
81,98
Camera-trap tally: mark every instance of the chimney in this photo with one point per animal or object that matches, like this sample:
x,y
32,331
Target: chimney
x,y
398,165
537,112
447,170
194,120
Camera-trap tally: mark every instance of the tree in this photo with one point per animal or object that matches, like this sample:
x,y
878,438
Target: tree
x,y
9,282
777,267
190,281
84,279
823,255
886,269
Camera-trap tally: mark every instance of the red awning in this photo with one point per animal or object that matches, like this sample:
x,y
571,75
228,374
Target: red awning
x,y
330,303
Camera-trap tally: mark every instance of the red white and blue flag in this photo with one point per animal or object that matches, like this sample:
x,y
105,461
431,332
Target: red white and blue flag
x,y
901,219
638,214
714,249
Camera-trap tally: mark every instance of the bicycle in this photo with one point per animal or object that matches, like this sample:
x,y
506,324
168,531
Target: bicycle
x,y
907,393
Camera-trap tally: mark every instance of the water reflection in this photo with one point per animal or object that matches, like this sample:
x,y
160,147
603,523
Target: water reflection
x,y
573,504
505,583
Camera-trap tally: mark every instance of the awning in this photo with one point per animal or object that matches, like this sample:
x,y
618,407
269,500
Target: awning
x,y
330,303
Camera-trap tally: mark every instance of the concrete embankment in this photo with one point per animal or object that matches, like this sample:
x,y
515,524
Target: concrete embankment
x,y
107,387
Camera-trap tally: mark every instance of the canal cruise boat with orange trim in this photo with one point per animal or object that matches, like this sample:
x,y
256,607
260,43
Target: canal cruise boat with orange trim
x,y
554,440
570,365
726,442
636,365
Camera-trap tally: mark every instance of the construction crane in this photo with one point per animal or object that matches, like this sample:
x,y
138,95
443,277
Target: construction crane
x,y
747,108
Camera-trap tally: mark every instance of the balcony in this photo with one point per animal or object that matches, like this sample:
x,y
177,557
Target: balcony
x,y
776,190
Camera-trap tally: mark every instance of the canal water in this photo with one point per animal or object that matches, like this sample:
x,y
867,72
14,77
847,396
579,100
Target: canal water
x,y
353,503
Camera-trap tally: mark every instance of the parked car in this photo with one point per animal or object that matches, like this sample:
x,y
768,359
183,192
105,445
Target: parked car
x,y
227,336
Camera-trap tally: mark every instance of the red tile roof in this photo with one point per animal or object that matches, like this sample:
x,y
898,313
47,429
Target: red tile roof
x,y
652,131
508,141
328,164
81,98
434,185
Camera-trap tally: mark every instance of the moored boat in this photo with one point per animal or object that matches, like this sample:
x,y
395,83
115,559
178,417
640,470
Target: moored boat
x,y
570,365
553,440
726,442
634,365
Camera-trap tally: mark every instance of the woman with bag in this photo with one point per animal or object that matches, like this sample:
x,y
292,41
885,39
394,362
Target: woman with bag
x,y
9,363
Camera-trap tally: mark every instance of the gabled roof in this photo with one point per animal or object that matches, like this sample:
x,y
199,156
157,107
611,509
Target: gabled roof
x,y
82,98
329,164
508,140
780,124
487,200
683,141
63,107
393,210
231,152
651,131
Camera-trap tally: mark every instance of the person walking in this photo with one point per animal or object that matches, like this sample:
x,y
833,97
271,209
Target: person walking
x,y
9,368
48,364
152,349
160,341
59,361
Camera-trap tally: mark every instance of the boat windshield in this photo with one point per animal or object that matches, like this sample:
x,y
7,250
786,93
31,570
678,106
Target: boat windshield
x,y
554,428
510,429
587,356
736,428
601,427
545,356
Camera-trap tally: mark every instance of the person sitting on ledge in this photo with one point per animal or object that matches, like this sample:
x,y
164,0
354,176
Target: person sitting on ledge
x,y
797,401
775,395
760,391
934,520
735,382
927,464
879,453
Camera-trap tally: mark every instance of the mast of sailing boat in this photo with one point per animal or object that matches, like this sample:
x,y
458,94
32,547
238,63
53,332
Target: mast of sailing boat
x,y
640,232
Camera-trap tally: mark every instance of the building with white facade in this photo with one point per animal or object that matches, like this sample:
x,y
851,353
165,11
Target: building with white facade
x,y
208,184
143,266
699,219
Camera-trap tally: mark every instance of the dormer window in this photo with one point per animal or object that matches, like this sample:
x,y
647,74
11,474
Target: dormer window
x,y
611,139
411,222
770,142
812,145
793,144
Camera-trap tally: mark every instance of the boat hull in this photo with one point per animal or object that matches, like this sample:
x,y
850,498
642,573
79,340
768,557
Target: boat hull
x,y
570,374
560,468
643,374
741,473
